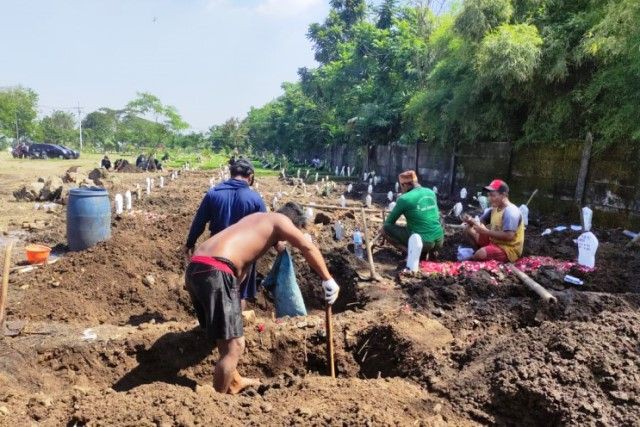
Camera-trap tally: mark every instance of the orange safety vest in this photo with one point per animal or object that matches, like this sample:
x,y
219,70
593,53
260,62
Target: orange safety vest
x,y
512,248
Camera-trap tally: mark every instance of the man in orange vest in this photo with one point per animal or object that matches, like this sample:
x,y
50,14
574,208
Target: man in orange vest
x,y
499,234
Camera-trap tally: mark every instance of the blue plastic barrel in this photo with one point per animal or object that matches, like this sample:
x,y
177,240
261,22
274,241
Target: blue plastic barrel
x,y
88,217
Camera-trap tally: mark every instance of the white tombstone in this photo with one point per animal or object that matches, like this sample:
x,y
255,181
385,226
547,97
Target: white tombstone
x,y
316,180
370,189
119,204
148,186
349,188
435,190
370,181
343,201
127,200
349,171
306,175
368,200
390,196
162,182
457,209
338,228
153,183
391,206
413,254
587,247
463,193
397,187
587,217
524,211
298,173
309,213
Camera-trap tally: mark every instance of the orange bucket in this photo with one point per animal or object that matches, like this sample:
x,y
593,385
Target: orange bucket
x,y
37,254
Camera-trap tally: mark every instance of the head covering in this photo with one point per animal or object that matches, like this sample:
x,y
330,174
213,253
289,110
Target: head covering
x,y
408,177
498,185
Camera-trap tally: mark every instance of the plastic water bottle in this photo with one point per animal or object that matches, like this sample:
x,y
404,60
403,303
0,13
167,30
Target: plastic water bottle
x,y
413,255
343,201
338,228
357,244
368,200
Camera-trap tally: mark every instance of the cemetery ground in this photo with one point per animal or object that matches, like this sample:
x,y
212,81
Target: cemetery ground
x,y
107,336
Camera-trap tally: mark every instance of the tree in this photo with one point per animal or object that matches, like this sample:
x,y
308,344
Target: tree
x,y
59,128
18,112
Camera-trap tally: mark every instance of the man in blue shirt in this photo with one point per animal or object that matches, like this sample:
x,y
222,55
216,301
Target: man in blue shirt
x,y
224,205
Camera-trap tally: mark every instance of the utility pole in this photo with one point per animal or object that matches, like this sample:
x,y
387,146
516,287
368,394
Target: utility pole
x,y
80,124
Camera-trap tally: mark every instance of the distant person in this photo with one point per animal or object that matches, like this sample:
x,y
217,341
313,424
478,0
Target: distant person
x,y
419,205
141,161
105,163
227,258
503,239
224,205
165,157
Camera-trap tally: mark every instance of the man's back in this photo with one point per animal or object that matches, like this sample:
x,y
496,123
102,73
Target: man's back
x,y
245,241
420,207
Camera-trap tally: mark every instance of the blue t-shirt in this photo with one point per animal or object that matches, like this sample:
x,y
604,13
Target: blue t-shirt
x,y
224,205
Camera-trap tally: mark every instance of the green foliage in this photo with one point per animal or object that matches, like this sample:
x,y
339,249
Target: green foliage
x,y
509,55
59,128
18,105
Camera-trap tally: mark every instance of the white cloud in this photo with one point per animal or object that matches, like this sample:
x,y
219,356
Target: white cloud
x,y
286,7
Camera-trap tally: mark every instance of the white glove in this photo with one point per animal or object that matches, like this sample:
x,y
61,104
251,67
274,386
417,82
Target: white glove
x,y
331,290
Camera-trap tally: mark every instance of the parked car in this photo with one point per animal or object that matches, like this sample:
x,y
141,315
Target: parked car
x,y
51,151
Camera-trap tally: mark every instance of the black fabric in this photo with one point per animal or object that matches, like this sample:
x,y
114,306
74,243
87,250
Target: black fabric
x,y
216,299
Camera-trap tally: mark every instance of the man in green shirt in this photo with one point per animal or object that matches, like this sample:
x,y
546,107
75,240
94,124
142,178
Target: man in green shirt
x,y
419,206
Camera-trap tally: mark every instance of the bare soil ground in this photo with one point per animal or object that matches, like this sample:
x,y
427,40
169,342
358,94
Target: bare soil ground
x,y
409,351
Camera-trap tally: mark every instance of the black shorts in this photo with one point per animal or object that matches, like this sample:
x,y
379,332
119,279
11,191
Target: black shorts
x,y
216,299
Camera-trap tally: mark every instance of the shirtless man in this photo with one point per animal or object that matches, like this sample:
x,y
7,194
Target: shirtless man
x,y
220,264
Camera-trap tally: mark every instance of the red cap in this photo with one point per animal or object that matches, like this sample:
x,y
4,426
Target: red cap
x,y
498,185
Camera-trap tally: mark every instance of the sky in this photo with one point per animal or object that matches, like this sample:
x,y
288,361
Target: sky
x,y
211,59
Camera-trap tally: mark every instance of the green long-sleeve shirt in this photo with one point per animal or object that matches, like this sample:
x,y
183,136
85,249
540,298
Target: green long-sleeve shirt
x,y
420,208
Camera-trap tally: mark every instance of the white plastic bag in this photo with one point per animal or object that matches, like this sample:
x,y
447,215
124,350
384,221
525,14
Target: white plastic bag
x,y
464,254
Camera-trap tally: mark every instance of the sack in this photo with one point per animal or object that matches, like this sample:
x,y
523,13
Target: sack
x,y
281,282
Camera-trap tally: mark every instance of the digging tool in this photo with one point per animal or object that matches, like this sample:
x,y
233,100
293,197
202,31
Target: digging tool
x,y
372,267
328,322
5,284
531,197
336,208
532,284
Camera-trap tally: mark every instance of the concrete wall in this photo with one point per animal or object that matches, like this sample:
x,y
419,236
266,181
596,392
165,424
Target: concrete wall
x,y
613,180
